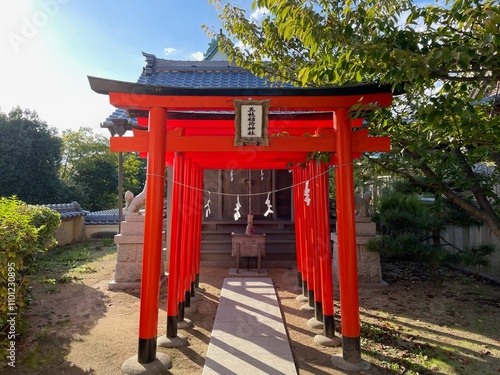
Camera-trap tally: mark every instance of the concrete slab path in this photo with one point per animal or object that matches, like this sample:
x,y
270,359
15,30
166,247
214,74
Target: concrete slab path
x,y
249,336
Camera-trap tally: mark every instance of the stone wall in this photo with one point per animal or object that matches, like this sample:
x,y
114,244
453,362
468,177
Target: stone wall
x,y
70,231
72,228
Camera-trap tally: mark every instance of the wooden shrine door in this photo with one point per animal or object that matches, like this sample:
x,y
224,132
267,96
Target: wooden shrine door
x,y
240,185
228,184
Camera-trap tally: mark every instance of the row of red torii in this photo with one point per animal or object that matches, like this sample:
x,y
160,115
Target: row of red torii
x,y
192,129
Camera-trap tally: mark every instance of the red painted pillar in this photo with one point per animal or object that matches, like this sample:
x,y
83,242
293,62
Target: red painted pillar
x,y
197,232
175,234
305,239
183,222
346,235
315,240
304,224
192,227
297,203
153,223
325,252
309,230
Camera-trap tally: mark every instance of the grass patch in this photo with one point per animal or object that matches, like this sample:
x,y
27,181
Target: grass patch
x,y
45,350
42,353
46,280
427,331
69,263
394,349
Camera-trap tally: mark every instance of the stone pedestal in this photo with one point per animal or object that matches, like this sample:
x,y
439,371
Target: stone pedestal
x,y
130,243
369,270
248,245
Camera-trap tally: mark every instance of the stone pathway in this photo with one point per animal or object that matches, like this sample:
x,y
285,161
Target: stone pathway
x,y
248,335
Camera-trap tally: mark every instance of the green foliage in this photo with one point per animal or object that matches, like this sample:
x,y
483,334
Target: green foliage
x,y
40,167
404,223
476,255
79,147
134,172
339,42
444,128
90,170
63,263
30,158
24,231
411,230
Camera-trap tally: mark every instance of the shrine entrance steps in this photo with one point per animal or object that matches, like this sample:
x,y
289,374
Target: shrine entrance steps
x,y
248,336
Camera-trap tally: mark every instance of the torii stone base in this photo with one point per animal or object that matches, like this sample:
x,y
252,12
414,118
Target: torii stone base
x,y
328,341
340,362
172,342
314,323
160,365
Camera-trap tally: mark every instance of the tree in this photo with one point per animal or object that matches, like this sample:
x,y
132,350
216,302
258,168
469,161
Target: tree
x,y
134,172
90,170
412,230
79,147
30,158
445,128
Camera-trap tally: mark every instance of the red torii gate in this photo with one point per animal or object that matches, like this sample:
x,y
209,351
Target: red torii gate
x,y
192,129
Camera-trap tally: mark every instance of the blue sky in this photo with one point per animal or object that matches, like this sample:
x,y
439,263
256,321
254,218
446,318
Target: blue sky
x,y
48,47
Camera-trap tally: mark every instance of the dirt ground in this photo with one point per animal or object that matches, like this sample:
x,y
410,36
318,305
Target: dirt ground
x,y
83,328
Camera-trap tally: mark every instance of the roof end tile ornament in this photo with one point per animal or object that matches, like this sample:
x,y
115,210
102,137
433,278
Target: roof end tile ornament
x,y
150,64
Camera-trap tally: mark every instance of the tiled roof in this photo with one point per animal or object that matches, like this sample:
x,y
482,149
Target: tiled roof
x,y
109,217
202,74
120,113
68,210
193,74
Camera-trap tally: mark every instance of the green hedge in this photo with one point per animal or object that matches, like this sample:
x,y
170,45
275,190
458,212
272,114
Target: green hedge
x,y
25,230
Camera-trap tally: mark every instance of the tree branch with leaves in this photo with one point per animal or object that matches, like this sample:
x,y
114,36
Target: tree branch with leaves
x,y
445,57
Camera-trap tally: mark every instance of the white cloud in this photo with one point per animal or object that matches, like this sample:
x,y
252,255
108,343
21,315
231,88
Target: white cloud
x,y
169,51
259,13
198,56
239,44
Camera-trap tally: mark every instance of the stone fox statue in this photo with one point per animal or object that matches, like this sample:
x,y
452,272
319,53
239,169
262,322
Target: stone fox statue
x,y
362,204
134,204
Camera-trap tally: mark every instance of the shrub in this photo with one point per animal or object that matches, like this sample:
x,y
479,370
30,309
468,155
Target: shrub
x,y
24,231
411,230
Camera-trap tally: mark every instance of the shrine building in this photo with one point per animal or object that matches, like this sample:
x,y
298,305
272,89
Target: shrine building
x,y
225,183
237,148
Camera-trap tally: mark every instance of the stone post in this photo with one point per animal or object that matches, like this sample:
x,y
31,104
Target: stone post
x,y
130,244
369,269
